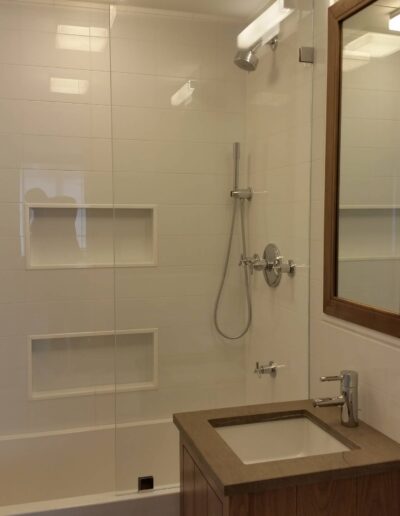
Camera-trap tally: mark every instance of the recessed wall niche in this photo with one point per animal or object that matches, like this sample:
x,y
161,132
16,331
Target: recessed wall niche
x,y
80,364
61,236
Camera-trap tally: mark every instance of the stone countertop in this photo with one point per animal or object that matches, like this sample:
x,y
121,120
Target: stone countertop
x,y
370,451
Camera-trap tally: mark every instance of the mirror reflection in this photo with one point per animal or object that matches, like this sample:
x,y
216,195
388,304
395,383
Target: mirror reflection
x,y
369,190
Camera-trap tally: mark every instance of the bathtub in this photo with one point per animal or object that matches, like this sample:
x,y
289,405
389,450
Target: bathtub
x,y
163,502
91,471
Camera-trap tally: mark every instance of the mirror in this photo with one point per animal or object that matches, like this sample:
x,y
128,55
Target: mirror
x,y
362,213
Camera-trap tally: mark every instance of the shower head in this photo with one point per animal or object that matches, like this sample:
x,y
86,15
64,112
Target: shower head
x,y
246,60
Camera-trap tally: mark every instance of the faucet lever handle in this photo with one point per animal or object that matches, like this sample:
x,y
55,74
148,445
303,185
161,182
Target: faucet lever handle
x,y
337,378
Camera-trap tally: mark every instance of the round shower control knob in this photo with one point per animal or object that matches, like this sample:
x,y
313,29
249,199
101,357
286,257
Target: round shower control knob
x,y
272,273
275,265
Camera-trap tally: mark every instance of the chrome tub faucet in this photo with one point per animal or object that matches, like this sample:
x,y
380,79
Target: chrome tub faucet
x,y
347,400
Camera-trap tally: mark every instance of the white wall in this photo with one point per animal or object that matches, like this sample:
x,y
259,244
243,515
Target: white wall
x,y
336,345
54,148
279,108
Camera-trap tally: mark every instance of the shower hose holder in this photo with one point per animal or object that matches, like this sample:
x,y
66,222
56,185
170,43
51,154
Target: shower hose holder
x,y
242,193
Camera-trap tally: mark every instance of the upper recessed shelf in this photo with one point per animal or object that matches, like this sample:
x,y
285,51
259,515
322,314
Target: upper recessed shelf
x,y
61,236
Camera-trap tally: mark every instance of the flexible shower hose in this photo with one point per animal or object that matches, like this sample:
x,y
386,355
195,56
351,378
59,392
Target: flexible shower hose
x,y
225,273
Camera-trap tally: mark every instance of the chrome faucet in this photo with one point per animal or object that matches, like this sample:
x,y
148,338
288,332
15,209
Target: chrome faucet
x,y
348,399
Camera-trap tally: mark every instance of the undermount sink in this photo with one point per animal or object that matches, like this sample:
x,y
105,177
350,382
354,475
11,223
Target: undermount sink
x,y
279,440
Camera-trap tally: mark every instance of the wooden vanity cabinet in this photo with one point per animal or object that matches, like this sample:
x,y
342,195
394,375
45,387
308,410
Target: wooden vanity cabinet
x,y
197,496
366,495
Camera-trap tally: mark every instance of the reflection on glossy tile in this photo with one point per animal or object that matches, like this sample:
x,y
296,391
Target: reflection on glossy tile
x,y
58,84
51,186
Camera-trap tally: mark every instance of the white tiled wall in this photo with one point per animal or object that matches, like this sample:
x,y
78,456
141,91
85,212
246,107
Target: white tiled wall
x,y
55,147
336,345
279,107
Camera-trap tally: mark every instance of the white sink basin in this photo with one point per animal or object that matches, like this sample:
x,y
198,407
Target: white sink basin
x,y
279,440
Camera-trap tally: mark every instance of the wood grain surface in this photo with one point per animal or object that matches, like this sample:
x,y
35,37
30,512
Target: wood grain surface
x,y
334,498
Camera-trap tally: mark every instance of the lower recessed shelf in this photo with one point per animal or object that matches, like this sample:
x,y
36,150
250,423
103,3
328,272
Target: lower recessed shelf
x,y
61,236
81,364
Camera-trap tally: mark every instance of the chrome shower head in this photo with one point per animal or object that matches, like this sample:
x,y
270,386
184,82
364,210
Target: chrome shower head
x,y
246,60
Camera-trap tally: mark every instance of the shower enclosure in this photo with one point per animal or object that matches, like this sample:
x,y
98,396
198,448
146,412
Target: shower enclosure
x,y
116,131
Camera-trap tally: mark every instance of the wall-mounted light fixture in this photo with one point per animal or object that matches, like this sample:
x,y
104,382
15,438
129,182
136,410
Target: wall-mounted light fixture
x,y
264,28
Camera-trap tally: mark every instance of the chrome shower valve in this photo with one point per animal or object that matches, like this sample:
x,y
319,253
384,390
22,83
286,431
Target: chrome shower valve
x,y
253,263
272,264
279,265
276,265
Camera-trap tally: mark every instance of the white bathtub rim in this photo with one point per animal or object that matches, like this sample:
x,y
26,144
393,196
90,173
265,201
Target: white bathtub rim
x,y
83,429
85,501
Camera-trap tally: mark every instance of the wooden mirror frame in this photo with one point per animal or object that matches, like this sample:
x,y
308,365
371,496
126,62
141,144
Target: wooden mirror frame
x,y
371,317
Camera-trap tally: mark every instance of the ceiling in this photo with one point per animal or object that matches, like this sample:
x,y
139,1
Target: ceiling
x,y
374,18
231,8
389,3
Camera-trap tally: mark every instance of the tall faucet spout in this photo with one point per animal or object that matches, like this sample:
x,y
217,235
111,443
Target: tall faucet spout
x,y
348,399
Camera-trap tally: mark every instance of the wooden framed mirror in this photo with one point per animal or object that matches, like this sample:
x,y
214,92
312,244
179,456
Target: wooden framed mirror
x,y
362,190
